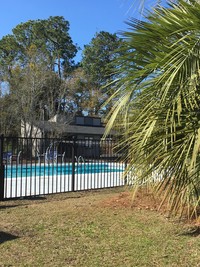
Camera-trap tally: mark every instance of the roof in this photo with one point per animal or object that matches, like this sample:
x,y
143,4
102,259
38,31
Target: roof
x,y
49,126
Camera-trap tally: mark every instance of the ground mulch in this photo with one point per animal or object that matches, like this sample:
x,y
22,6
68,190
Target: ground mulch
x,y
143,200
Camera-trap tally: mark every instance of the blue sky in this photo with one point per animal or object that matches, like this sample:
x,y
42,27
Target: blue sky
x,y
86,17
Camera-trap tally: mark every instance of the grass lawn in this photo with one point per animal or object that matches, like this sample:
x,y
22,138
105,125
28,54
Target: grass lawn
x,y
97,228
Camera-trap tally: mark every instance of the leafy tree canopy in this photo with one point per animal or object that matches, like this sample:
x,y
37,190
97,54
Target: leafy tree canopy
x,y
99,69
50,37
99,55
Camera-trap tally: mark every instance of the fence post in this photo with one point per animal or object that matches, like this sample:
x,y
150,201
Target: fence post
x,y
125,178
1,169
73,162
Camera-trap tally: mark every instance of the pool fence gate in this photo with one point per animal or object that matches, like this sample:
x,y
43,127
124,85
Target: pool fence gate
x,y
32,167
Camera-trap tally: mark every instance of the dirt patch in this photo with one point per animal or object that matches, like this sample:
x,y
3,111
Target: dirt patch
x,y
142,200
120,200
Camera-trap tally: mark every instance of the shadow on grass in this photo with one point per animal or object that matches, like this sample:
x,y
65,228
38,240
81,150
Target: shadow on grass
x,y
33,198
8,203
6,237
8,206
16,202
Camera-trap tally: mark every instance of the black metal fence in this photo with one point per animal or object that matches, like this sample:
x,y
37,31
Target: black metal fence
x,y
39,166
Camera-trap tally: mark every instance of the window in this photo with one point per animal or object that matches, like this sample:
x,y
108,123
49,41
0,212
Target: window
x,y
88,121
80,120
96,122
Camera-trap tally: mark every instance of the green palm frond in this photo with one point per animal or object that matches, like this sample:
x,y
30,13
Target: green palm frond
x,y
158,101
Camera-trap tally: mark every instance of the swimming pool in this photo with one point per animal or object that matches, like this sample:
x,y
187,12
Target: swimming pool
x,y
60,169
42,179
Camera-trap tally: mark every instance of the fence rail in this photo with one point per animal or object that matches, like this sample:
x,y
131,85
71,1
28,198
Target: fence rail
x,y
40,166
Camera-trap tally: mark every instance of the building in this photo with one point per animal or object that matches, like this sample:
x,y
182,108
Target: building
x,y
86,130
83,127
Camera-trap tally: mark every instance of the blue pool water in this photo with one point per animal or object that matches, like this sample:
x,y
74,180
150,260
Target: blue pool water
x,y
58,169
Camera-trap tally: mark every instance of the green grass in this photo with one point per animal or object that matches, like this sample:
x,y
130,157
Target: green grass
x,y
78,229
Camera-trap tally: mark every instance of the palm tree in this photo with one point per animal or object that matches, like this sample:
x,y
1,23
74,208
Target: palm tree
x,y
157,102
